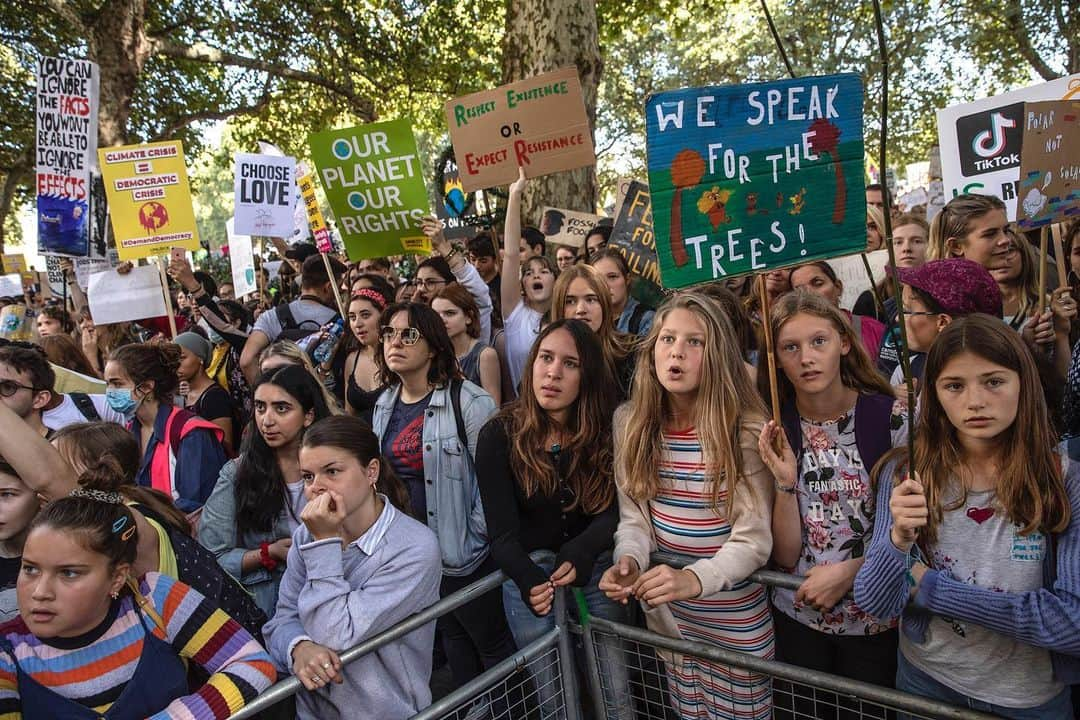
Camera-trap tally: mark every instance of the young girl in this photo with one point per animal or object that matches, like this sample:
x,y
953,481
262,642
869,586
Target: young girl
x,y
544,465
427,421
525,290
62,350
819,278
201,394
839,417
631,316
18,507
182,453
249,519
582,294
362,386
54,320
690,481
358,565
479,363
285,352
979,550
91,641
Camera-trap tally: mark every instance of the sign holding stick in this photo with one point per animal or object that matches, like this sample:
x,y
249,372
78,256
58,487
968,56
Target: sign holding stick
x,y
538,124
752,177
168,297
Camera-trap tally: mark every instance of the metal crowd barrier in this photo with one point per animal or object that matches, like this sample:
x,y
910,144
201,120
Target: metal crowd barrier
x,y
627,674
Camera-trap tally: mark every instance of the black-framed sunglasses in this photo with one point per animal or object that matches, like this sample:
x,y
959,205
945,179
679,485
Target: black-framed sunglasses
x,y
10,387
409,336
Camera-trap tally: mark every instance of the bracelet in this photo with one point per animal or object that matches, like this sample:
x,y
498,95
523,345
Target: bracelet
x,y
264,557
785,488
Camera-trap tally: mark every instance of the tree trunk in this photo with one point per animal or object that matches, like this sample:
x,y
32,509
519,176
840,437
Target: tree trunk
x,y
545,35
8,186
117,43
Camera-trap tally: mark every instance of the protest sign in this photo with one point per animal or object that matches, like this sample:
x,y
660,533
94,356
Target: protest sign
x,y
315,222
264,194
981,141
117,298
852,273
374,183
242,259
16,262
1050,163
149,199
69,381
11,285
633,234
538,124
622,186
55,275
16,322
66,141
455,207
752,177
567,227
85,267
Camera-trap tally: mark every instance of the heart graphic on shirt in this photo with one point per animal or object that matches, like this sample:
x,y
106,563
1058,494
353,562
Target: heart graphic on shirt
x,y
980,515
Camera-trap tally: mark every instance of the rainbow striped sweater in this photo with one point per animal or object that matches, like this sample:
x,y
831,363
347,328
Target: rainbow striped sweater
x,y
96,673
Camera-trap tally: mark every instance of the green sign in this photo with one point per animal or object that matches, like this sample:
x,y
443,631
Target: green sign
x,y
374,182
749,178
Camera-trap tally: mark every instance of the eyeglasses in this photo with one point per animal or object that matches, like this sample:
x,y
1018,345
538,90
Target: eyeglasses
x,y
10,387
430,283
409,336
916,313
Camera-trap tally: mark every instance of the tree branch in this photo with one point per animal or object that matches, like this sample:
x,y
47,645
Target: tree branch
x,y
182,122
67,13
201,52
1014,21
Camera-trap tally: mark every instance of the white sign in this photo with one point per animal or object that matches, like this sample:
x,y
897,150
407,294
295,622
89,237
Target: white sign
x,y
55,275
124,298
11,285
85,267
265,195
851,271
243,261
980,141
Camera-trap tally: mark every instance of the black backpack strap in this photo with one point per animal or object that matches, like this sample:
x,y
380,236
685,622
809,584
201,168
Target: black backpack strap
x,y
285,317
636,318
459,419
873,429
85,405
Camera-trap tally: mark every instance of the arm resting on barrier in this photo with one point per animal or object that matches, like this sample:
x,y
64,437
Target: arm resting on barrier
x,y
583,550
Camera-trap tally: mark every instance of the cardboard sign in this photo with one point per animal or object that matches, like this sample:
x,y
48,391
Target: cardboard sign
x,y
149,199
265,195
242,259
567,227
981,141
117,298
538,124
633,233
752,177
16,322
16,262
374,183
66,140
1050,163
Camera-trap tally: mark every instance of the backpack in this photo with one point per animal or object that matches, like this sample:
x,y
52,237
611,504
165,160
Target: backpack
x,y
873,433
634,326
85,405
459,419
292,330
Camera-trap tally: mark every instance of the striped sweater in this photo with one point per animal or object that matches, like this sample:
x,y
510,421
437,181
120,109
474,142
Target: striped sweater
x,y
95,674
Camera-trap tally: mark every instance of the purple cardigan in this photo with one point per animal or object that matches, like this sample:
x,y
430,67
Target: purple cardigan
x,y
1047,618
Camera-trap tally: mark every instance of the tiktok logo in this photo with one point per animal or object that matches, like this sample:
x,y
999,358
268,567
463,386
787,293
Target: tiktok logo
x,y
990,140
990,143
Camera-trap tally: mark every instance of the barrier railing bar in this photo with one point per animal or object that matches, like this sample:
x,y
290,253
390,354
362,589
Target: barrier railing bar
x,y
794,673
772,578
492,677
566,657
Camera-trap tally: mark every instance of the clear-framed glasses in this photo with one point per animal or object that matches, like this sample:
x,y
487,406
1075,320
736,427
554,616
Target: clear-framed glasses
x,y
430,283
409,336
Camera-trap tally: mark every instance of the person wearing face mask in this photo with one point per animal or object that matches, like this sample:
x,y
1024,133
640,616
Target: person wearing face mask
x,y
182,453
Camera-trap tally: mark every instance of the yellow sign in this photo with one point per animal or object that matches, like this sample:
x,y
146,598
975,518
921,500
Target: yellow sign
x,y
16,263
316,222
149,198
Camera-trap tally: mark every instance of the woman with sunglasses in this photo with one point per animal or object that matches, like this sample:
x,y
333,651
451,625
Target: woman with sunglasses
x,y
427,421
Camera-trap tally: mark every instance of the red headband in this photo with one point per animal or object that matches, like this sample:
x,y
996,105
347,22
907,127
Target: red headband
x,y
371,295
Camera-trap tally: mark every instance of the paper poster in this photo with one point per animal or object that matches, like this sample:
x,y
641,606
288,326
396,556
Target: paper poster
x,y
16,262
633,233
55,275
374,182
314,220
567,227
538,124
455,207
149,199
85,267
852,273
265,194
747,178
117,298
981,141
1050,163
243,261
11,285
66,142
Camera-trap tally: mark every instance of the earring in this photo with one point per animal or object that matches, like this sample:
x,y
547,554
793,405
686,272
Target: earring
x,y
115,594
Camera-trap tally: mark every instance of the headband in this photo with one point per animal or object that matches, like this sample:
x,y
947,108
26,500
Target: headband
x,y
373,296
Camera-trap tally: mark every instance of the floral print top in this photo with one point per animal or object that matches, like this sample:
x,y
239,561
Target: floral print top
x,y
836,504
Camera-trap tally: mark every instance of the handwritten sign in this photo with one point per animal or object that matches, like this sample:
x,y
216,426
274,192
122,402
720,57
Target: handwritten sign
x,y
1050,163
981,141
242,260
538,124
567,227
747,178
633,233
374,183
66,140
455,207
149,199
264,188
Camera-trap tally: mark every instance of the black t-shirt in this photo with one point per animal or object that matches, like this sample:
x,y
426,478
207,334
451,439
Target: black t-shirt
x,y
216,403
403,446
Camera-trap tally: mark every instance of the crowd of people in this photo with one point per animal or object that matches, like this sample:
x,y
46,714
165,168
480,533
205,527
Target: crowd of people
x,y
286,477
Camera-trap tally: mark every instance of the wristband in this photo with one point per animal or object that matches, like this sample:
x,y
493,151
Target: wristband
x,y
264,557
785,488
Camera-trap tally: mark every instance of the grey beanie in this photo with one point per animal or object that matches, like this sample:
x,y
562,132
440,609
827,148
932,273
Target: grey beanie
x,y
195,344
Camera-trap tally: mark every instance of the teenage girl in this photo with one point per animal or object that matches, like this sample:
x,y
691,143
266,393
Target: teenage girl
x,y
362,386
979,550
478,361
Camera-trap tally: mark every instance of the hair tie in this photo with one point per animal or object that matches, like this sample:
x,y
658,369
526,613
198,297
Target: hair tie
x,y
368,294
112,498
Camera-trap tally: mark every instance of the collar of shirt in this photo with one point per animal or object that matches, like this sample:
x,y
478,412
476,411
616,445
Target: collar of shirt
x,y
374,535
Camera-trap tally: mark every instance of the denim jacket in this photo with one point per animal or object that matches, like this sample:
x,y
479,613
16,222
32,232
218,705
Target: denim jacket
x,y
218,534
454,511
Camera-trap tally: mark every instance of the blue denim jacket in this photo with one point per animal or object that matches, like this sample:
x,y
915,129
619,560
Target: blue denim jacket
x,y
454,511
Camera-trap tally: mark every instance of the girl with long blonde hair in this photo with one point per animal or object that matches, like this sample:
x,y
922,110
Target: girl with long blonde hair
x,y
690,480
